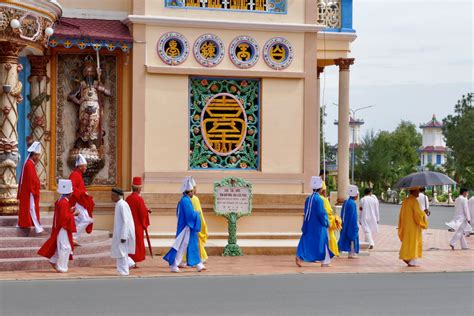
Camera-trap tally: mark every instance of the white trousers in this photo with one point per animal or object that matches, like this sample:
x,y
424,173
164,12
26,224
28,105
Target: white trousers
x,y
459,235
369,239
180,245
327,258
38,227
63,250
82,221
124,264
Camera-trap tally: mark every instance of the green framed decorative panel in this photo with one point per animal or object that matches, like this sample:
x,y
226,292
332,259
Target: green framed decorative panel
x,y
224,123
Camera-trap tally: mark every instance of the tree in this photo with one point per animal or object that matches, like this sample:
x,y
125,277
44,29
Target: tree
x,y
458,129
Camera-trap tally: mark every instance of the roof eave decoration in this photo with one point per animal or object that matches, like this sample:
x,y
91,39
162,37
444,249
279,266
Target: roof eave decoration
x,y
91,33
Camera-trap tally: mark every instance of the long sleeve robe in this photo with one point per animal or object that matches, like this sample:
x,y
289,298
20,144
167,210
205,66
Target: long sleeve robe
x,y
141,221
332,218
411,221
369,215
63,218
203,234
350,227
29,185
314,239
80,195
187,218
461,215
123,229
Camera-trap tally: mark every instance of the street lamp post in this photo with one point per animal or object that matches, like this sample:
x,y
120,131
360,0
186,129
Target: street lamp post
x,y
353,117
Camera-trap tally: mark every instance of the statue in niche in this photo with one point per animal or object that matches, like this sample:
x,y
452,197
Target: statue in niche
x,y
90,134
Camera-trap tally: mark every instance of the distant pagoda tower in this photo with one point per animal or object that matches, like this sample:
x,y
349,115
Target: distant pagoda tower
x,y
433,149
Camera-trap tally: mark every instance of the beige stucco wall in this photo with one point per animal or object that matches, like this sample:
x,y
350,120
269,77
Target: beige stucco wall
x,y
296,13
114,5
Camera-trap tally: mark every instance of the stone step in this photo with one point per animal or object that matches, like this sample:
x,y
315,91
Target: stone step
x,y
251,235
39,263
11,221
23,232
31,252
16,242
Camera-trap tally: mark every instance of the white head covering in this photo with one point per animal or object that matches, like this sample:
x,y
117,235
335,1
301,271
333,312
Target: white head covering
x,y
80,160
193,182
352,190
35,148
316,182
64,186
187,185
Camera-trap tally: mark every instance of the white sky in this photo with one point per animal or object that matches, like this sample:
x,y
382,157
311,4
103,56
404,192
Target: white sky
x,y
413,59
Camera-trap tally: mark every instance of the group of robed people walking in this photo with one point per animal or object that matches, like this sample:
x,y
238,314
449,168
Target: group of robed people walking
x,y
73,215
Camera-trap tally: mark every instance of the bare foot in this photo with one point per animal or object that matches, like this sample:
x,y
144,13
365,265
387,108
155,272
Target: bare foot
x,y
298,262
452,247
52,265
76,244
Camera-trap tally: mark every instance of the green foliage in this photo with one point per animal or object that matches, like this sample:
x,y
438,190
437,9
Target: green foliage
x,y
385,157
458,129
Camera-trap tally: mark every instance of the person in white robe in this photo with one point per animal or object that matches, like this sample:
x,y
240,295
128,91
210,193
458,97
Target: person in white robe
x,y
369,216
461,221
424,202
123,238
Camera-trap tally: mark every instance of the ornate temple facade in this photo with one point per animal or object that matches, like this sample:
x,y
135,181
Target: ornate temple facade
x,y
168,88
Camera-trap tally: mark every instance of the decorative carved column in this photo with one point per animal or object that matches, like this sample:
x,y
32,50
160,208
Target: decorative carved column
x,y
343,128
10,97
38,114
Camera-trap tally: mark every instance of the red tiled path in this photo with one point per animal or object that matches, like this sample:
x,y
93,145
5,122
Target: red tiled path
x,y
383,259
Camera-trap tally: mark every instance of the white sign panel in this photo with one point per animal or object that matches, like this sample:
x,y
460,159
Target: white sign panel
x,y
232,200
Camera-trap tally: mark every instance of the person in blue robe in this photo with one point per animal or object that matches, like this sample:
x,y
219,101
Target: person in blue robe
x,y
349,237
189,225
313,245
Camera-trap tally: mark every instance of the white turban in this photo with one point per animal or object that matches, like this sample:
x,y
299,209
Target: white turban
x,y
187,185
352,190
64,186
193,182
80,160
316,183
35,148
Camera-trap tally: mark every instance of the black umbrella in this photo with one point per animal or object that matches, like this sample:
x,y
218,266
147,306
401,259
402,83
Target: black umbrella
x,y
424,179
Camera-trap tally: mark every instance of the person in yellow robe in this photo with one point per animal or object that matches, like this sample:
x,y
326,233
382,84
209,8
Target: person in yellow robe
x,y
202,235
411,221
335,222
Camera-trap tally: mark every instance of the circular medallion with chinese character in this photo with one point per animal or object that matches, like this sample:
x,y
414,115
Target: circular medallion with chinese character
x,y
244,51
224,124
173,48
278,53
209,50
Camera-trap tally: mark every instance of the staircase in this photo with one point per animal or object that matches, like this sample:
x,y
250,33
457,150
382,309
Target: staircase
x,y
18,247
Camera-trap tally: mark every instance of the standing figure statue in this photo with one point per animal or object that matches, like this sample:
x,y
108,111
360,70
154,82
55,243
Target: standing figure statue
x,y
90,133
87,96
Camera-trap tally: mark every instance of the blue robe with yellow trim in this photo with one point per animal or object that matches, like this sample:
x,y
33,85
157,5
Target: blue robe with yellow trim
x,y
314,239
187,217
350,227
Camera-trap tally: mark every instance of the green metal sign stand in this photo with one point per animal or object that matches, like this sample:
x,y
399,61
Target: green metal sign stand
x,y
232,199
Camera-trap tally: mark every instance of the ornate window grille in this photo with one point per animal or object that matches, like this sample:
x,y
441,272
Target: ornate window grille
x,y
329,13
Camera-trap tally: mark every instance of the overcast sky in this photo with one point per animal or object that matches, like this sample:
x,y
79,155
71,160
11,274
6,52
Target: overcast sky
x,y
413,59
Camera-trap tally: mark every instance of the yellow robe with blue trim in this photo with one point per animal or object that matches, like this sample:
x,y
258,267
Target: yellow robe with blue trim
x,y
202,235
411,221
332,226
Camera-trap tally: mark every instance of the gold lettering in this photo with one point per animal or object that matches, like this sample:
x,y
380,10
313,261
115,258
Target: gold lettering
x,y
208,50
277,53
172,50
243,53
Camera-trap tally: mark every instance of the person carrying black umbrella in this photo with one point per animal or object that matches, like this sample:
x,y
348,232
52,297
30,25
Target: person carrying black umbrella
x,y
411,221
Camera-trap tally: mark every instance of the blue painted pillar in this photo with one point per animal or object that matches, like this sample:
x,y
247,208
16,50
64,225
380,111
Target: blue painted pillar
x,y
24,128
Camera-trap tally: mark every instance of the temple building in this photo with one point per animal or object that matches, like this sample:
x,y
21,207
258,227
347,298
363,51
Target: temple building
x,y
163,89
433,149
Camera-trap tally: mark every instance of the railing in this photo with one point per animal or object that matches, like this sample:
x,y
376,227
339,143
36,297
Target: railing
x,y
329,13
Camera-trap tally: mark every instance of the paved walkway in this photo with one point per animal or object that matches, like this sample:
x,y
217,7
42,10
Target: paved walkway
x,y
437,257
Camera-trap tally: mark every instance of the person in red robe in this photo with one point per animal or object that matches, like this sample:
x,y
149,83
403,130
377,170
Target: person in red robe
x,y
81,200
59,247
29,191
140,219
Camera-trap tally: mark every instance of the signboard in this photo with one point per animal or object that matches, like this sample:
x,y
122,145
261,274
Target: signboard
x,y
232,200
